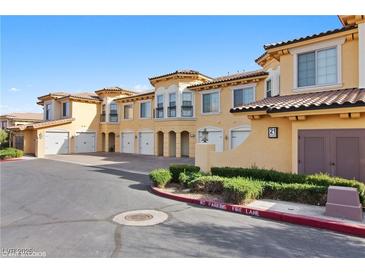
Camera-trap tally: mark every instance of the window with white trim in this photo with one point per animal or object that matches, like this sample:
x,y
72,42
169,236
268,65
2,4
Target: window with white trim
x,y
187,104
127,112
48,108
243,96
268,88
317,67
145,110
65,109
113,112
211,102
159,108
171,111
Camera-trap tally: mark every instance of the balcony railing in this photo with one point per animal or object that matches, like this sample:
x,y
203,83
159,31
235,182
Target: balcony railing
x,y
171,111
113,117
186,111
159,112
102,117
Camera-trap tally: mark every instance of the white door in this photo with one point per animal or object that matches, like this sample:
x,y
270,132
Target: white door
x,y
146,143
214,137
127,142
56,142
85,142
238,137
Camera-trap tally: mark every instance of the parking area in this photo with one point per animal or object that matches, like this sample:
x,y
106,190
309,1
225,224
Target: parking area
x,y
66,210
135,163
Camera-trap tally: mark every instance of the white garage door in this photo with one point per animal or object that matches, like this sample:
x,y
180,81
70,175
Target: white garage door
x,y
127,145
238,136
214,137
56,142
146,143
85,142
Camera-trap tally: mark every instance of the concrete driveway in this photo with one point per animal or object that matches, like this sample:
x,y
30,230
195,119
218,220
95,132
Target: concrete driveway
x,y
136,163
66,210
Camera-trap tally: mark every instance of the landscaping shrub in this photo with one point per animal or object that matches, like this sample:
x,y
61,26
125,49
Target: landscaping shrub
x,y
160,177
326,180
268,175
185,178
301,193
240,190
10,152
209,184
176,169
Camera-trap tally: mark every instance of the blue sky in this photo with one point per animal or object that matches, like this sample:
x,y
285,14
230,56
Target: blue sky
x,y
41,54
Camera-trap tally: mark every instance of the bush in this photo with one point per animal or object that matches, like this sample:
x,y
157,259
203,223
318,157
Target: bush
x,y
160,177
185,178
209,184
301,193
322,179
268,175
10,153
176,169
290,178
240,190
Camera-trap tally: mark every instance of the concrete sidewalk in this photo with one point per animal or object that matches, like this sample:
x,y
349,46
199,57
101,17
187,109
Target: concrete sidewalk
x,y
298,209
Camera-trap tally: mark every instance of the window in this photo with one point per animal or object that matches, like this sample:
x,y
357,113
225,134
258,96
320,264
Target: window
x,y
113,113
128,112
65,109
48,112
159,109
317,67
268,88
172,105
187,104
145,110
211,102
102,115
243,96
4,124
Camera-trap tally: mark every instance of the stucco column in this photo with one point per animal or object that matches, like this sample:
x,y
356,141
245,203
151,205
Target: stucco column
x,y
106,148
192,142
361,28
202,159
178,144
166,144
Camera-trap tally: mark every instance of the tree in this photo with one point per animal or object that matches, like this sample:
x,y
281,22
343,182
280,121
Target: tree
x,y
3,136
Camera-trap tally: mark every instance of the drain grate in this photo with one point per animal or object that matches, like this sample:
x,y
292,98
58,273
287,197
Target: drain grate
x,y
138,217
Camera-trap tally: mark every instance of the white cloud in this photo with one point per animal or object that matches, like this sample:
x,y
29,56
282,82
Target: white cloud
x,y
14,89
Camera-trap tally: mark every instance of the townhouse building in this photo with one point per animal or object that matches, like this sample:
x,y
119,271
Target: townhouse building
x,y
303,111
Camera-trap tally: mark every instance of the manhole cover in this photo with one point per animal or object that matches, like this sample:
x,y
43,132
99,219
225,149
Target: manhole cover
x,y
141,217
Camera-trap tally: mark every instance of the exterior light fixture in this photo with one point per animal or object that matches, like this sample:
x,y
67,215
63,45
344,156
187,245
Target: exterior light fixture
x,y
40,136
205,136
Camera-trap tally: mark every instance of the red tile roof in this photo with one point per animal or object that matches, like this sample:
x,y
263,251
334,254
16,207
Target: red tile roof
x,y
31,116
283,43
43,124
307,101
182,71
237,76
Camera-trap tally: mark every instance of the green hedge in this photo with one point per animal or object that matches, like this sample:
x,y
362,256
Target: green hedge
x,y
240,190
289,178
160,177
185,178
10,153
176,169
300,193
259,174
209,184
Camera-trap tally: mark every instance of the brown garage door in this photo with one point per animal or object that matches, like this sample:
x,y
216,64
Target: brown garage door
x,y
339,152
19,142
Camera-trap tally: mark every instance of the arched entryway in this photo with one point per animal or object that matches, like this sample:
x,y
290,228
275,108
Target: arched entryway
x,y
111,142
184,144
103,148
160,143
172,144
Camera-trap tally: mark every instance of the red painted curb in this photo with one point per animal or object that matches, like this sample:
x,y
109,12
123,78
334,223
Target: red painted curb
x,y
11,160
346,228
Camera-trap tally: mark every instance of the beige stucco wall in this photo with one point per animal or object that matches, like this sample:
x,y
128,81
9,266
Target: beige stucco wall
x,y
281,153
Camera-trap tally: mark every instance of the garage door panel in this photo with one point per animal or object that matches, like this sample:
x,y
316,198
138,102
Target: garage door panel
x,y
127,145
347,155
146,143
214,137
238,137
85,142
56,143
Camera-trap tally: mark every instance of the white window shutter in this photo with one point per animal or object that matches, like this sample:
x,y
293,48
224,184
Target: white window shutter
x,y
275,81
